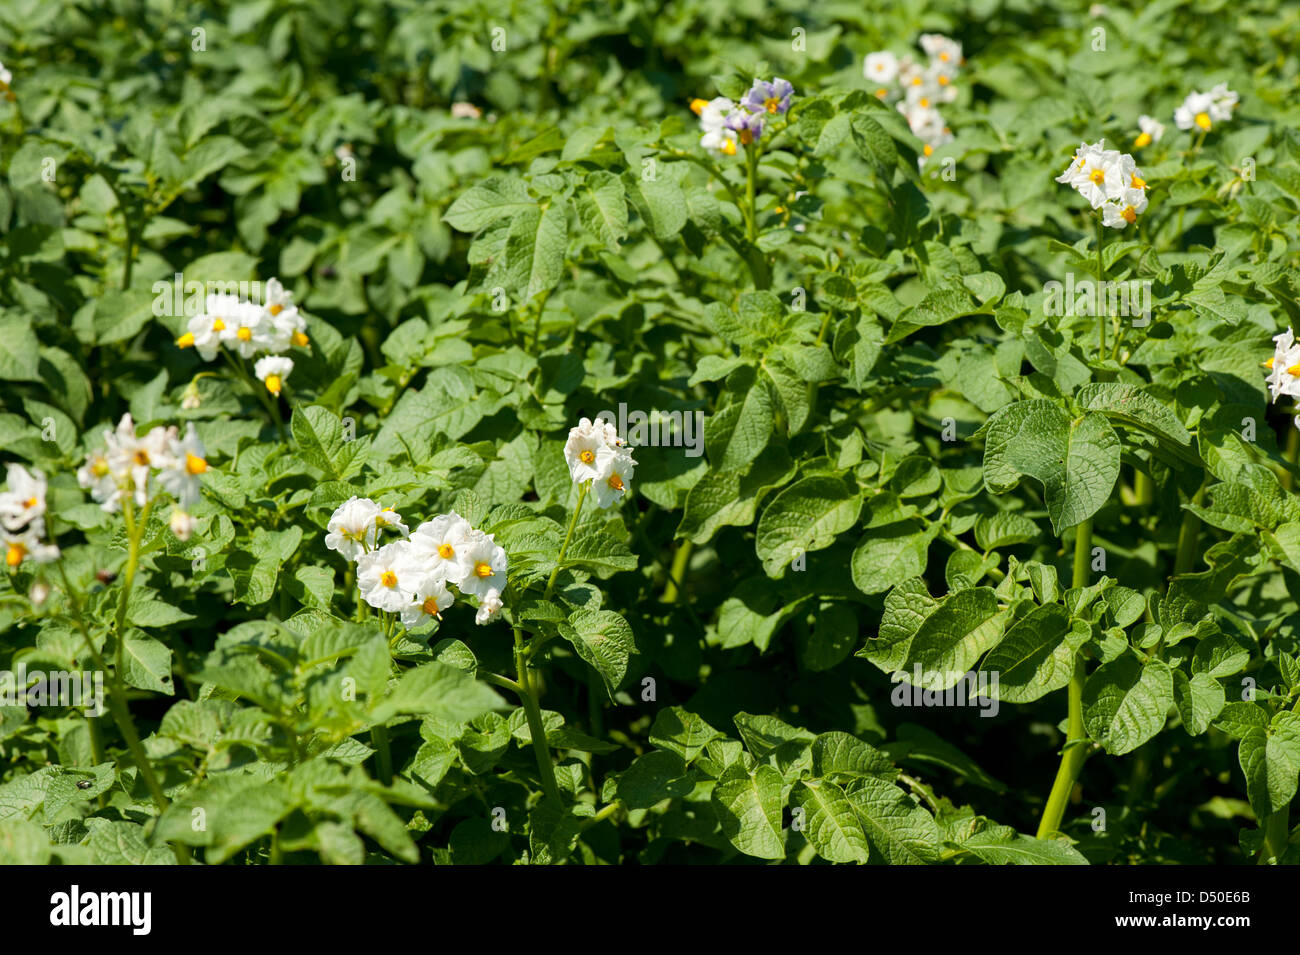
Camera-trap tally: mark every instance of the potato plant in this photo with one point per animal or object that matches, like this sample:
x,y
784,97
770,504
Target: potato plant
x,y
602,433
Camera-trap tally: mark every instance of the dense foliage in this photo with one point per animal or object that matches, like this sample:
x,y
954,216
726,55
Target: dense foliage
x,y
362,578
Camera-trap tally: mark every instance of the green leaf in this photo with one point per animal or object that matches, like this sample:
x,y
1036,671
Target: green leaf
x,y
886,556
899,831
318,432
535,248
147,663
830,823
19,349
749,808
1134,407
1002,845
604,639
1200,700
662,205
652,778
739,432
952,638
602,208
438,690
682,732
1126,701
1270,760
492,199
1036,656
1076,461
806,516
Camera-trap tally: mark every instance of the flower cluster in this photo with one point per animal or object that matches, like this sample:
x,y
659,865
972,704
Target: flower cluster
x,y
411,576
5,79
727,124
1110,181
22,518
250,329
919,89
1284,368
1203,110
596,453
1151,131
135,469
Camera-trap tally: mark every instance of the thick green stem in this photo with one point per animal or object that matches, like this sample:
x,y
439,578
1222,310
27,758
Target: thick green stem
x,y
1277,830
677,572
751,190
1185,558
1101,277
1076,749
568,535
383,754
1292,453
536,728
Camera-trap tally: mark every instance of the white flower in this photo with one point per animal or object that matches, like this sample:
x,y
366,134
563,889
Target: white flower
x,y
273,371
132,459
1284,367
431,597
880,68
582,448
1222,102
390,519
247,328
181,524
27,545
1195,111
941,48
713,120
439,541
465,110
389,578
615,466
352,530
483,565
39,593
1121,211
489,605
96,475
185,462
25,499
285,323
1152,130
204,333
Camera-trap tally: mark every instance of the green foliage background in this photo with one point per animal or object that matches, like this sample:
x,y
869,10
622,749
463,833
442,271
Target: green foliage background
x,y
202,138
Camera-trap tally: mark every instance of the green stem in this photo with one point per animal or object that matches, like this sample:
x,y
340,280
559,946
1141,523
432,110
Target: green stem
x,y
536,729
383,754
573,522
1076,749
1185,558
1292,453
751,190
1277,830
1101,277
677,572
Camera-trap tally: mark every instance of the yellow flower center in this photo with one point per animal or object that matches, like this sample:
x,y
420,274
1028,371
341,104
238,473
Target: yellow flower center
x,y
771,104
141,457
218,325
388,579
916,81
446,551
1294,370
697,106
14,556
1098,176
1144,139
925,102
276,309
1138,182
482,569
729,147
945,56
615,481
586,457
273,384
746,137
245,334
1129,214
186,340
99,468
944,81
1269,364
195,464
1203,120
882,93
928,149
301,340
430,606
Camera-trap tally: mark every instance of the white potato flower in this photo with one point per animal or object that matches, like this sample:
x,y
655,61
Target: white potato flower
x,y
941,48
24,502
273,371
1203,110
390,577
185,462
489,606
96,476
285,324
1123,210
582,448
1151,131
247,328
615,467
430,598
132,459
204,334
352,529
440,541
1284,367
28,545
483,565
880,68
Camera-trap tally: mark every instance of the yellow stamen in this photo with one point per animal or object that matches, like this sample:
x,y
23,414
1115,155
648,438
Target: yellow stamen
x,y
99,468
142,457
1138,182
218,325
482,569
245,334
1129,215
301,340
1294,370
925,102
928,149
388,579
1269,364
615,481
1098,176
1203,120
882,93
729,147
944,81
273,384
276,309
771,104
1144,139
195,464
697,106
430,606
916,81
15,554
186,340
446,551
945,56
